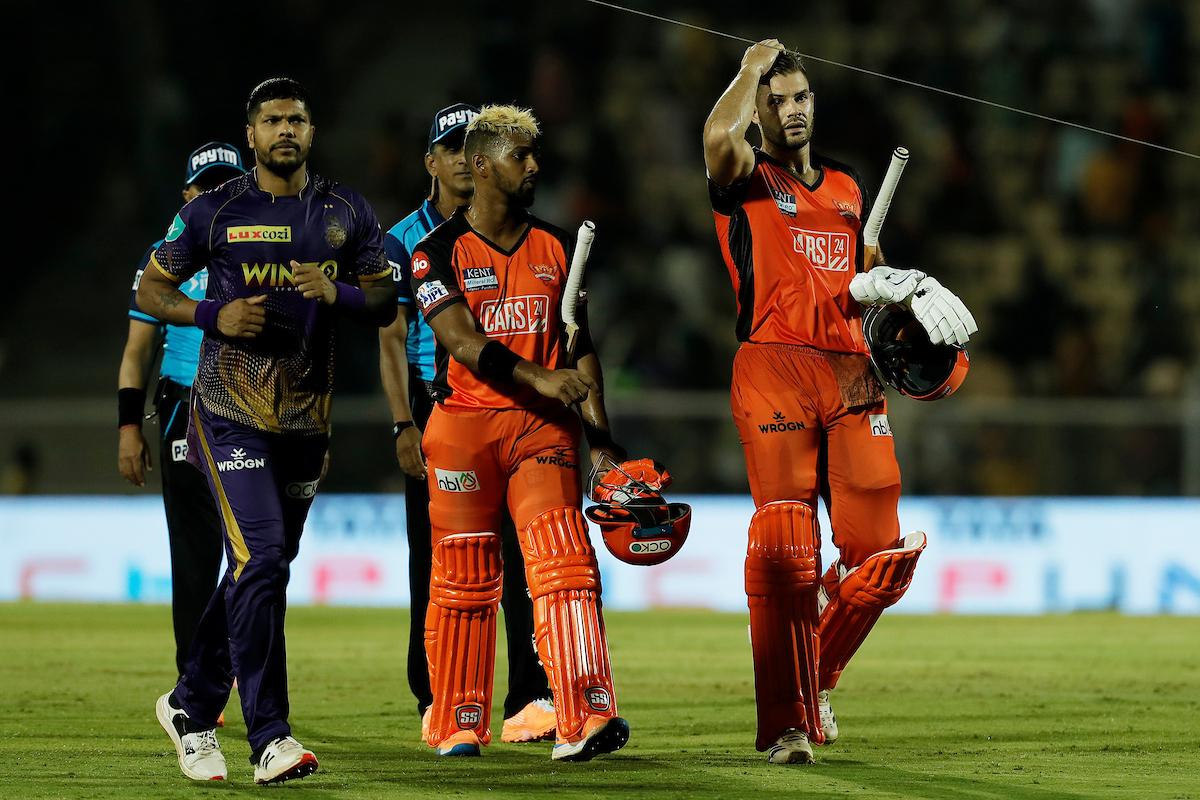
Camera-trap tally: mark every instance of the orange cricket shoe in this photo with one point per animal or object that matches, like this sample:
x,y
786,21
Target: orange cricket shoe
x,y
533,723
463,743
600,735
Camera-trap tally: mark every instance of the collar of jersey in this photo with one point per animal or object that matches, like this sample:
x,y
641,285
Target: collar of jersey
x,y
815,162
308,179
506,253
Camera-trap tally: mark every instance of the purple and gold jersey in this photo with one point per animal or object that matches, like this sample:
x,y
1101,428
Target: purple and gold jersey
x,y
281,381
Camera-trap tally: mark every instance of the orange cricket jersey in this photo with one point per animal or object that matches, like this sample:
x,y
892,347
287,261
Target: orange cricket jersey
x,y
791,250
514,295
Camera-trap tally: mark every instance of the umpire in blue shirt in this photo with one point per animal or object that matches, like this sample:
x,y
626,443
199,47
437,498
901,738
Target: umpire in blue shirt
x,y
193,528
406,364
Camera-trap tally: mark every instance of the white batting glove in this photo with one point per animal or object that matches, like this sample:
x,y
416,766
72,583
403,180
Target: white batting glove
x,y
941,313
883,285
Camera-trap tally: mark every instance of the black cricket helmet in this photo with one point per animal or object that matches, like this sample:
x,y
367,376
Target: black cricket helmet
x,y
905,358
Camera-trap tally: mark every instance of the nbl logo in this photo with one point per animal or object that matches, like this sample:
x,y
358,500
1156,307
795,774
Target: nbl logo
x,y
598,698
879,425
457,481
468,716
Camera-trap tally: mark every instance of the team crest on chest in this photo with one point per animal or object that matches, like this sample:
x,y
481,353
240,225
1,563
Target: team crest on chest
x,y
785,201
847,210
335,233
544,272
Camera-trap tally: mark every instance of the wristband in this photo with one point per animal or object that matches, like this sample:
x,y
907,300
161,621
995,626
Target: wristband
x,y
497,362
131,404
602,438
349,297
400,427
206,315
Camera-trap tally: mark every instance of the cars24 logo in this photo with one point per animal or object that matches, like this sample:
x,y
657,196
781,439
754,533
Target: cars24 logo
x,y
824,249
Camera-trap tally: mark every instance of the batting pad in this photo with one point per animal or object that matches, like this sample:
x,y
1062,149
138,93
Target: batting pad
x,y
782,569
859,600
460,633
564,582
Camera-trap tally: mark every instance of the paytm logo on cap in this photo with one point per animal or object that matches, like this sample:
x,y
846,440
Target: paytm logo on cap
x,y
215,155
461,116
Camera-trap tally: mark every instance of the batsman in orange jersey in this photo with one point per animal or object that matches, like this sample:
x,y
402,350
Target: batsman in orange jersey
x,y
490,280
811,415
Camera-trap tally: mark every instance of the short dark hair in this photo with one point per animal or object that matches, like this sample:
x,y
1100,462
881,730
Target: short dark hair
x,y
275,89
787,62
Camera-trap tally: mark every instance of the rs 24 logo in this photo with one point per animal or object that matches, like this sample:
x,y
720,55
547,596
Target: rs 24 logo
x,y
828,250
515,315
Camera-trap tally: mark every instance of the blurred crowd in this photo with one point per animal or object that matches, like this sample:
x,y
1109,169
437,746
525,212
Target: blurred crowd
x,y
1072,249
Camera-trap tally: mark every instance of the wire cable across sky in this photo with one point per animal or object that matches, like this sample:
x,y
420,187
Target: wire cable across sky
x,y
915,84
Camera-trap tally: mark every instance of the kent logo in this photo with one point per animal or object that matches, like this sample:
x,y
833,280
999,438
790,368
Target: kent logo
x,y
237,461
824,249
515,316
457,481
271,274
240,234
476,279
780,424
785,201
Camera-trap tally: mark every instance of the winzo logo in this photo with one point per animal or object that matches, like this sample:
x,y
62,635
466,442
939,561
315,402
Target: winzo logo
x,y
780,424
237,460
561,458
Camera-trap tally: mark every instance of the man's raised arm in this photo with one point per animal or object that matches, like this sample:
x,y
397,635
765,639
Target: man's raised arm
x,y
727,154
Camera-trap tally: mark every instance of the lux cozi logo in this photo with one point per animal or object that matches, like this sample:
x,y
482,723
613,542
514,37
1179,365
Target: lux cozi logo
x,y
271,274
258,233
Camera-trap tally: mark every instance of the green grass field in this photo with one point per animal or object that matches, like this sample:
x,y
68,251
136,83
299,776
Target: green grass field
x,y
934,707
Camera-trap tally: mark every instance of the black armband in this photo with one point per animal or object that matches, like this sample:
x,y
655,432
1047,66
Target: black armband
x,y
131,405
597,437
400,427
497,362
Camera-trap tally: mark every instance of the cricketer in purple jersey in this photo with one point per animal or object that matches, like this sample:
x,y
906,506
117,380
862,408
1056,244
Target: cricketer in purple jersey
x,y
285,250
282,379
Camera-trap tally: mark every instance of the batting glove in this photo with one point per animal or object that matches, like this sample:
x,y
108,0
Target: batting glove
x,y
884,285
941,313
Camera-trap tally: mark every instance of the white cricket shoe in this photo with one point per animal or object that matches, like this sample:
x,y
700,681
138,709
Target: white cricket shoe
x,y
200,756
828,719
791,748
283,760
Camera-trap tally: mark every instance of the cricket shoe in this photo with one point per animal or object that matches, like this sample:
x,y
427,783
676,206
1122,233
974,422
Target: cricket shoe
x,y
600,735
533,723
463,743
283,760
200,757
791,748
828,719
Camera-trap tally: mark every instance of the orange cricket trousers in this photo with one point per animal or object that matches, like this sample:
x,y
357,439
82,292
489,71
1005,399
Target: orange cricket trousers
x,y
800,441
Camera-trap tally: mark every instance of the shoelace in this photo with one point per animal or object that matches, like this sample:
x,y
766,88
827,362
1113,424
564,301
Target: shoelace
x,y
206,742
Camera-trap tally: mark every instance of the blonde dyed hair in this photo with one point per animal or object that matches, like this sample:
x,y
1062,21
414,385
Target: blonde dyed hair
x,y
497,123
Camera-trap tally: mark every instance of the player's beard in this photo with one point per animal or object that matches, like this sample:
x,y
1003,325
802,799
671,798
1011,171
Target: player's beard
x,y
522,197
283,161
781,140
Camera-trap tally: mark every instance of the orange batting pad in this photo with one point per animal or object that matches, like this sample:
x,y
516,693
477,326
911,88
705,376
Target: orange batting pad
x,y
564,581
858,601
460,633
782,568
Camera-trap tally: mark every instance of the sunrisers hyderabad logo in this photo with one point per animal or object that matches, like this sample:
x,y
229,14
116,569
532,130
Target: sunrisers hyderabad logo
x,y
544,272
